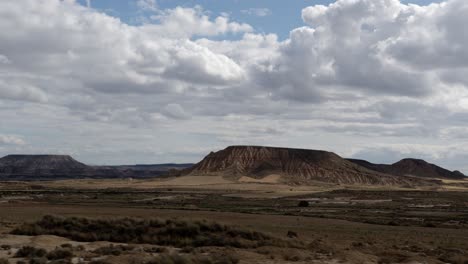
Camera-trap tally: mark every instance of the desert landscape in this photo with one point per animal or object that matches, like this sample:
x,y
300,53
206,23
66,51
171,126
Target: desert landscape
x,y
233,132
243,204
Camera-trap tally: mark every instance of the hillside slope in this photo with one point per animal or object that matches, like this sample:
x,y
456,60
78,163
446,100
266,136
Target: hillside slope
x,y
296,166
412,167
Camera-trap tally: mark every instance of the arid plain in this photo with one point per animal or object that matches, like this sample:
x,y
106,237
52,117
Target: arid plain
x,y
241,205
341,224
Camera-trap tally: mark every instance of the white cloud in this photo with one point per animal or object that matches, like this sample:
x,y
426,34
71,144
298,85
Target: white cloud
x,y
21,91
260,12
11,140
187,22
147,5
175,111
93,50
4,59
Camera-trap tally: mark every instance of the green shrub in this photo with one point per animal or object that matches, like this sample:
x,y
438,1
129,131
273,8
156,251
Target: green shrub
x,y
187,259
30,252
61,261
291,234
112,250
5,247
67,245
156,250
170,232
170,259
99,262
38,261
60,253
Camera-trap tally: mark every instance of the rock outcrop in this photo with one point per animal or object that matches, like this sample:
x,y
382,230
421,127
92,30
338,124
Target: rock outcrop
x,y
296,166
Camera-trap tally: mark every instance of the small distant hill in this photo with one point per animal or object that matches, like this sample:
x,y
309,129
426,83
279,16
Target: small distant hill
x,y
154,167
295,166
46,167
412,167
148,170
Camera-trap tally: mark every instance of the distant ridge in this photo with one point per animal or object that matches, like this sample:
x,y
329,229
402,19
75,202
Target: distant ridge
x,y
25,166
39,163
412,167
47,167
296,166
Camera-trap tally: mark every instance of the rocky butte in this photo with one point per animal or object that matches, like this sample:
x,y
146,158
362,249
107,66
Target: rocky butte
x,y
295,166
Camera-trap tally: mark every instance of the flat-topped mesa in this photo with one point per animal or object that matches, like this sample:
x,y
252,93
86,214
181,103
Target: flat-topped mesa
x,y
51,167
42,165
293,165
412,167
41,161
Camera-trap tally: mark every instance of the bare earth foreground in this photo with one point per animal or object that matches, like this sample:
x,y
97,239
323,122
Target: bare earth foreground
x,y
341,224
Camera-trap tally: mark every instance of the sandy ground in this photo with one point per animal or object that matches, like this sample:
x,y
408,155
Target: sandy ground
x,y
268,186
273,179
271,183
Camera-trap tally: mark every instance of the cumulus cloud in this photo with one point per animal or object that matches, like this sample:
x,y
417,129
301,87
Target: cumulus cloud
x,y
343,49
187,22
197,64
83,46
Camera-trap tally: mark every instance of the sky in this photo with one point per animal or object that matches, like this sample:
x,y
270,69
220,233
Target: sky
x,y
267,16
144,81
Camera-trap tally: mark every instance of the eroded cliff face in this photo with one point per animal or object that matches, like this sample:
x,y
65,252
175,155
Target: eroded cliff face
x,y
412,167
297,166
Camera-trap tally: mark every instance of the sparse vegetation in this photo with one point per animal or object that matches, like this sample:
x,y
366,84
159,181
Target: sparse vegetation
x,y
187,259
171,232
4,261
30,252
393,226
59,254
99,262
5,247
112,250
156,250
61,261
67,245
38,261
291,234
